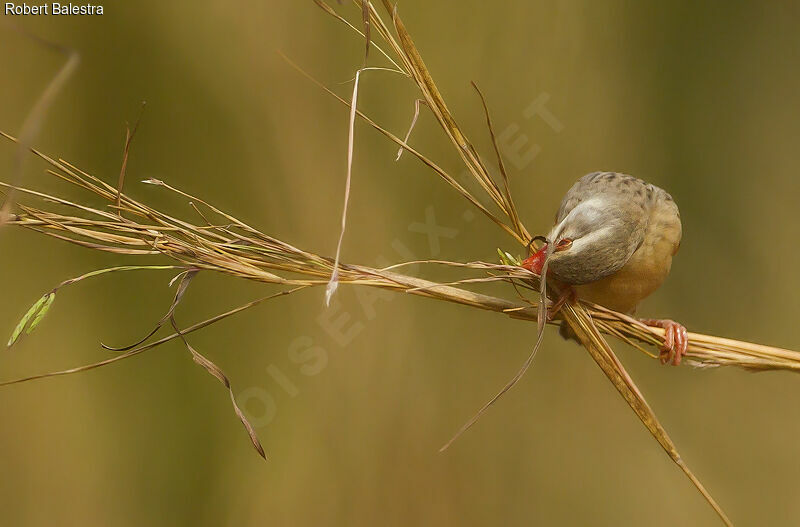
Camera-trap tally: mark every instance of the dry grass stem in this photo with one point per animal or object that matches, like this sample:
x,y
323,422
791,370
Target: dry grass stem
x,y
237,249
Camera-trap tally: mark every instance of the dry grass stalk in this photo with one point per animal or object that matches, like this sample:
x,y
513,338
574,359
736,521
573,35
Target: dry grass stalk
x,y
237,249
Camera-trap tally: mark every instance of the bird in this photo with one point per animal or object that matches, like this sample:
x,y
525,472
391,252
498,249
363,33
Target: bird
x,y
613,242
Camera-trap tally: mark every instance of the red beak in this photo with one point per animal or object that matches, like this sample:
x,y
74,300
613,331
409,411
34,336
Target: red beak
x,y
535,261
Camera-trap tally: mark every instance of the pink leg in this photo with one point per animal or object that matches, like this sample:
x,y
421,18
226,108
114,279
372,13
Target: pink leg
x,y
567,294
676,340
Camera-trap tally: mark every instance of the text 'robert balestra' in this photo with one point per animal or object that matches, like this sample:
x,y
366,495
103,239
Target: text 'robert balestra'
x,y
52,9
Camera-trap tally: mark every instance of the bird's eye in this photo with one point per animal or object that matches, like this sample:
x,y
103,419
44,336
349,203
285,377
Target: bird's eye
x,y
563,245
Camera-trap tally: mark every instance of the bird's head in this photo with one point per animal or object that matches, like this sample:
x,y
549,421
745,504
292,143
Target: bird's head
x,y
593,241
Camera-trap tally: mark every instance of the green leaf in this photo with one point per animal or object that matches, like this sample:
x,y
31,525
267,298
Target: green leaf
x,y
507,259
42,312
30,314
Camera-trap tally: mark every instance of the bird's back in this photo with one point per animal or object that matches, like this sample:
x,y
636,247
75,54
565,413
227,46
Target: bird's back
x,y
617,188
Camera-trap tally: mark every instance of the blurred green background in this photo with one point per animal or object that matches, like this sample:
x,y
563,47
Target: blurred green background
x,y
700,98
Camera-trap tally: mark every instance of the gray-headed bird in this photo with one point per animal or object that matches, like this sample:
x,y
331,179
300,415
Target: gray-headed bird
x,y
614,239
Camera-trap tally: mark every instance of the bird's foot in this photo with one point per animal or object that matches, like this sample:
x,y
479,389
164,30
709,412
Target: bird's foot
x,y
676,340
567,294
